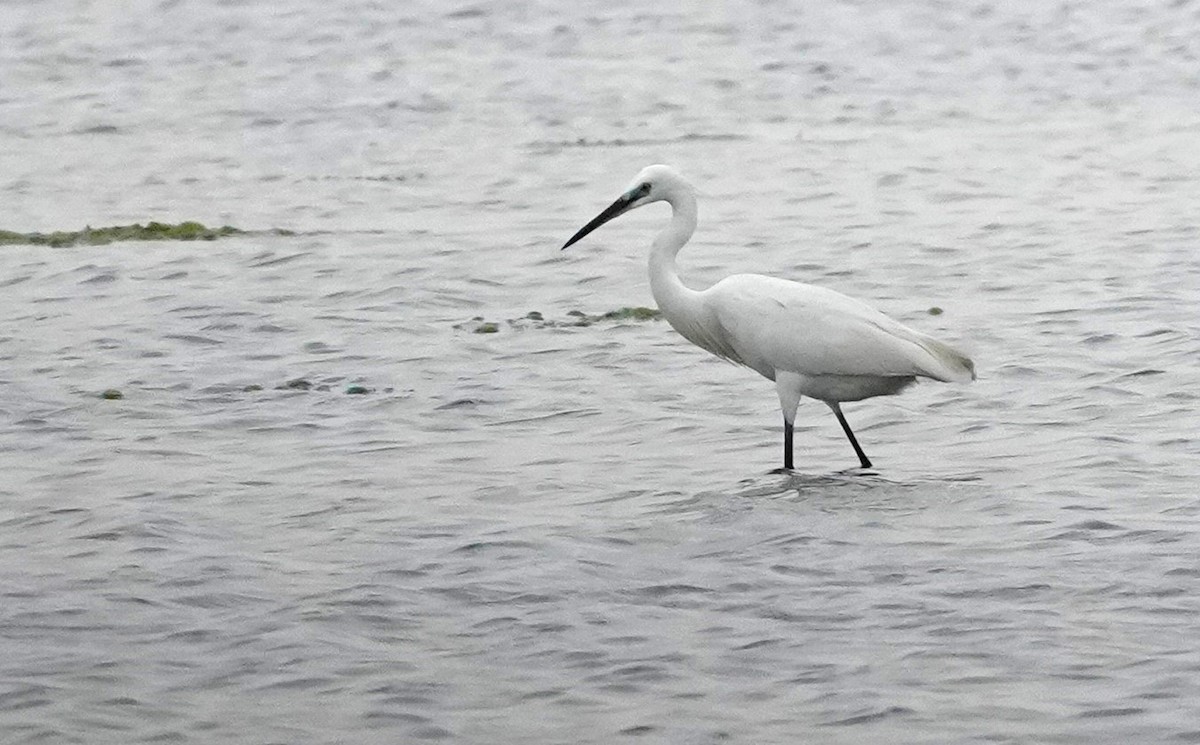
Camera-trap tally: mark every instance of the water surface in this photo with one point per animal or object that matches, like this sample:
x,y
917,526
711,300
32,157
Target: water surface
x,y
572,534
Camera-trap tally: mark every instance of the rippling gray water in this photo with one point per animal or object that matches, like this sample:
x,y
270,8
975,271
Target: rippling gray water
x,y
571,534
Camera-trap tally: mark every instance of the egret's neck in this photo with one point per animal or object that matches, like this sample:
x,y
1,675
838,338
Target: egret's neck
x,y
673,297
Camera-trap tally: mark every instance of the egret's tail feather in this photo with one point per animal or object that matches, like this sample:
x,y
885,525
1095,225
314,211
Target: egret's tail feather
x,y
952,365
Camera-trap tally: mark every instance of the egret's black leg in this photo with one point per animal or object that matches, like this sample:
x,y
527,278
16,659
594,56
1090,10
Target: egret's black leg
x,y
787,444
862,457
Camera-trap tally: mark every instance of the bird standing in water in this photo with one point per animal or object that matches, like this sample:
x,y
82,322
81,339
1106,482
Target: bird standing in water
x,y
811,341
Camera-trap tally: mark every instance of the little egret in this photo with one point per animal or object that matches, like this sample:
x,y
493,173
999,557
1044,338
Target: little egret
x,y
811,341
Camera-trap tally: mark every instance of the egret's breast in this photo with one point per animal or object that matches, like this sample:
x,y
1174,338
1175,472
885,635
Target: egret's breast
x,y
707,334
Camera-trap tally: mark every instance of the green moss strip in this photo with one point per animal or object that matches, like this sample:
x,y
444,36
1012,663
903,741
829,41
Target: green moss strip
x,y
632,314
579,318
535,319
151,231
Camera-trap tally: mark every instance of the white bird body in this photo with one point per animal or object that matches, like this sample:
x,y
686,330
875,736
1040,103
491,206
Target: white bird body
x,y
810,340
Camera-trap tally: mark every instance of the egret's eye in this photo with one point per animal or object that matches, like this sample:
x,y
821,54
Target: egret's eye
x,y
642,190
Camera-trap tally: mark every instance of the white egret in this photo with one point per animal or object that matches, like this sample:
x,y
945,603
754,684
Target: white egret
x,y
811,341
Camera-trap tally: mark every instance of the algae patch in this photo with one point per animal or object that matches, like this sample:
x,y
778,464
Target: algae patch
x,y
151,231
304,384
574,318
632,314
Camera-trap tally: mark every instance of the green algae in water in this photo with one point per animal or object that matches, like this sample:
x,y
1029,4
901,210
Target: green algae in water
x,y
632,314
574,318
151,231
112,394
637,313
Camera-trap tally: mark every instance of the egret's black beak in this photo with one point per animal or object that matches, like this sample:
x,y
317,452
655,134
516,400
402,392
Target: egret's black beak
x,y
617,208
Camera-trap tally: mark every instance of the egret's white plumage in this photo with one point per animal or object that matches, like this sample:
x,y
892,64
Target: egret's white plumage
x,y
810,340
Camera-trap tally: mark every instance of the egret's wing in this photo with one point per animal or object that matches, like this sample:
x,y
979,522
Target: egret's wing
x,y
781,325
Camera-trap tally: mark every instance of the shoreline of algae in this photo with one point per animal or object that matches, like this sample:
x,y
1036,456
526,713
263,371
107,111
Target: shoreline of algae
x,y
151,231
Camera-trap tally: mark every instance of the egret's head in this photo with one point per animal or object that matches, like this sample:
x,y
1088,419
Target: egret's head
x,y
653,184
